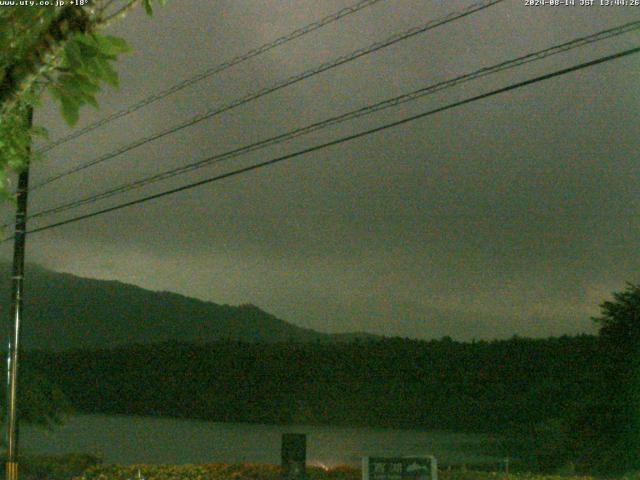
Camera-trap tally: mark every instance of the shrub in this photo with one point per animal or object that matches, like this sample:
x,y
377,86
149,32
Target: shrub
x,y
55,467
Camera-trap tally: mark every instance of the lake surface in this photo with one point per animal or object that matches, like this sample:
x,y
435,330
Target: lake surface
x,y
131,439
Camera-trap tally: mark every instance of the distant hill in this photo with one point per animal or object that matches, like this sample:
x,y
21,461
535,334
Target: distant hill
x,y
64,311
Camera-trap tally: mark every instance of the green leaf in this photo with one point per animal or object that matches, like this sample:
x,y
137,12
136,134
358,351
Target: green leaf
x,y
76,90
107,73
78,84
68,82
15,164
69,111
73,55
87,50
110,45
147,7
87,86
69,90
87,40
90,68
91,100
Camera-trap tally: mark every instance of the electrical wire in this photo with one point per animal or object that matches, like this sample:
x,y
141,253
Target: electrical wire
x,y
280,85
367,110
213,71
338,141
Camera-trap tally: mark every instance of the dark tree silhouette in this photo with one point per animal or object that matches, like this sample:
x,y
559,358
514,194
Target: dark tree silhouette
x,y
615,418
620,320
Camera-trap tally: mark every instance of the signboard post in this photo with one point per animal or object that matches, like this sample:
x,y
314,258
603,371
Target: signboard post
x,y
294,456
400,468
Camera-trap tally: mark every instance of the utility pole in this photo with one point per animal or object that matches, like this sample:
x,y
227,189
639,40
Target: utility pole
x,y
17,281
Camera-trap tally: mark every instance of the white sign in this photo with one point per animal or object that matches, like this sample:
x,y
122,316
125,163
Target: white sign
x,y
400,468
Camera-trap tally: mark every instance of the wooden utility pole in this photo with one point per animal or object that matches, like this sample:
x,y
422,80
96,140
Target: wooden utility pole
x,y
17,281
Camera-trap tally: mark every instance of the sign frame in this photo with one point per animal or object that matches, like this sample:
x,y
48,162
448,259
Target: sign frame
x,y
400,468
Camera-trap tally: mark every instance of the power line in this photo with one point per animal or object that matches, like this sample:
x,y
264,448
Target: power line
x,y
367,110
280,85
213,71
339,140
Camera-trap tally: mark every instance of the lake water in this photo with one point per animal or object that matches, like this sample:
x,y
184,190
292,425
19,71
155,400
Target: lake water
x,y
130,440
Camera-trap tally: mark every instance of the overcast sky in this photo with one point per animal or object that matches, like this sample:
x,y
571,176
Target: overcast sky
x,y
517,214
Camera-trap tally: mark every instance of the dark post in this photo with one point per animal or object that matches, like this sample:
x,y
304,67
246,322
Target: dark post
x,y
294,456
16,316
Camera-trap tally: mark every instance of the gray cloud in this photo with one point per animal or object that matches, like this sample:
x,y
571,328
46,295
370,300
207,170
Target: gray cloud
x,y
513,215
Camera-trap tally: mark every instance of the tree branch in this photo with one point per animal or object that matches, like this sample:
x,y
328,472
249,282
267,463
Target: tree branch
x,y
118,13
42,57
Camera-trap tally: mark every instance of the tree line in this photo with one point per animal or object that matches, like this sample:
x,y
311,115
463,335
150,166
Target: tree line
x,y
568,400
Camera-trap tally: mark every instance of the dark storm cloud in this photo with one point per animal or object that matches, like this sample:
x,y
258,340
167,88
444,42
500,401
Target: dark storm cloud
x,y
517,214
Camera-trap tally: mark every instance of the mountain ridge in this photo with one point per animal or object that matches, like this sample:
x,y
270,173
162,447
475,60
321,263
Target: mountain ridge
x,y
63,311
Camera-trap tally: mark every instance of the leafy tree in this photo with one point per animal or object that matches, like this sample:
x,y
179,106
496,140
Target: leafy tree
x,y
617,414
620,320
57,49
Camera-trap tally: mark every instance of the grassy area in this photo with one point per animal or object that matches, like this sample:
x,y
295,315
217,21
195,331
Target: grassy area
x,y
89,467
271,472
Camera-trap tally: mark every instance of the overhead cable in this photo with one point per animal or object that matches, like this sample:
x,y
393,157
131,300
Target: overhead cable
x,y
338,141
213,71
367,110
398,37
